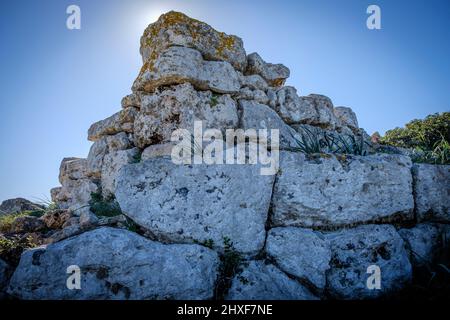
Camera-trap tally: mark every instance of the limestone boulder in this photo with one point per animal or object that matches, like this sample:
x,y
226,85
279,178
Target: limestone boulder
x,y
18,205
174,29
115,264
102,147
178,65
302,253
274,74
121,121
187,203
432,192
422,242
331,190
258,116
178,108
112,163
355,250
347,117
261,281
316,110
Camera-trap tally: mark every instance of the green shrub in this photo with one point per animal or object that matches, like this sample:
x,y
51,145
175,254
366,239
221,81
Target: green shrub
x,y
315,141
423,134
104,207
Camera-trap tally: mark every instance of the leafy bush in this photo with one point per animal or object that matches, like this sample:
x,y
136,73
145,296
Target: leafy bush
x,y
104,207
423,134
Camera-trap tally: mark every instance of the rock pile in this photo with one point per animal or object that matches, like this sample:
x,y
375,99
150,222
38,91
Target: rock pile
x,y
309,232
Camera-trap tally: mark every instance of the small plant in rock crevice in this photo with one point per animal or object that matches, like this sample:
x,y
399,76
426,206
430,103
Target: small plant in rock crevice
x,y
230,265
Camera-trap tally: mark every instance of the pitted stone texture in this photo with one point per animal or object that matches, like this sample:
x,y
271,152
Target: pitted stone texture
x,y
432,192
177,29
274,74
116,264
186,203
178,108
121,121
260,281
258,116
302,253
102,147
72,169
112,163
314,109
131,100
347,117
178,65
354,250
330,190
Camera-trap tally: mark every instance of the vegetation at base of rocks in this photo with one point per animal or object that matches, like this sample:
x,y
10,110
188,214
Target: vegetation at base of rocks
x,y
7,220
104,207
11,248
429,138
137,157
230,265
209,243
315,141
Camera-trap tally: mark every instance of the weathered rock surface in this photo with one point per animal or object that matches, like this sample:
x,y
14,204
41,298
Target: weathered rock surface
x,y
72,169
432,192
354,250
131,100
183,203
112,163
177,65
176,29
258,116
55,219
302,253
330,191
116,264
260,281
18,205
422,241
157,150
314,109
27,224
178,108
121,121
75,194
274,74
347,117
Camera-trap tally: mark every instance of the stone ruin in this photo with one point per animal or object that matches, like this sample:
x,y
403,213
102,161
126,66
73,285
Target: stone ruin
x,y
309,232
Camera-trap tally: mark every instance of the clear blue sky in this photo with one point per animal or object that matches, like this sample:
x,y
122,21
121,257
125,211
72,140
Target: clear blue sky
x,y
56,82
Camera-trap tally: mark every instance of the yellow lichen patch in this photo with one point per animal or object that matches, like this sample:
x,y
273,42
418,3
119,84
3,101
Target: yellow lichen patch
x,y
278,82
226,42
